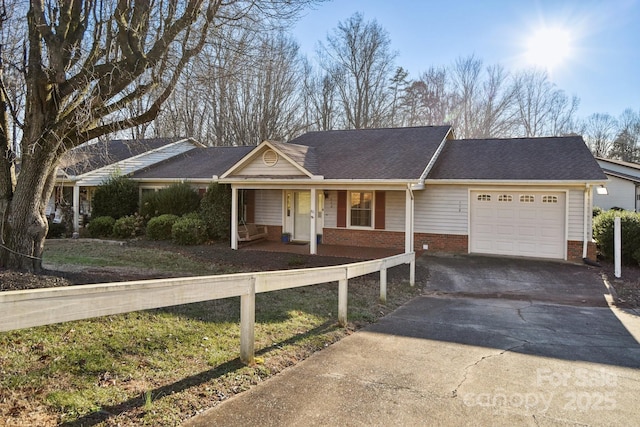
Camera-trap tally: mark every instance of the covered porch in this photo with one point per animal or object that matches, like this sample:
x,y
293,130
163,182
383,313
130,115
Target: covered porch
x,y
353,252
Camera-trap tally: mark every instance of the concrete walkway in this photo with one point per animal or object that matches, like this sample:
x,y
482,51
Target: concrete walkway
x,y
491,342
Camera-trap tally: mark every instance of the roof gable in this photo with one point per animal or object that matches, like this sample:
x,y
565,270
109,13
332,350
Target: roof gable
x,y
91,164
620,169
518,159
275,159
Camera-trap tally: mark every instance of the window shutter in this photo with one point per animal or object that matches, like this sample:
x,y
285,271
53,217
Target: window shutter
x,y
250,203
342,209
379,215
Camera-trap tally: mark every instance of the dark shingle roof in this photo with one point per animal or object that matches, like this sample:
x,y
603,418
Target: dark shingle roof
x,y
519,159
391,153
89,157
199,163
303,155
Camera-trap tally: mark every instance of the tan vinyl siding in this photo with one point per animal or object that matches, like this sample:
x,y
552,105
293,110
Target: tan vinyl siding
x,y
442,209
576,215
394,210
268,207
258,168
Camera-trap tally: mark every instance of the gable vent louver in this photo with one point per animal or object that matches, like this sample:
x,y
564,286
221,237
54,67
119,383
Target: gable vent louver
x,y
270,158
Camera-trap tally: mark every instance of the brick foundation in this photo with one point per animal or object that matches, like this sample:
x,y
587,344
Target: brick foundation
x,y
449,243
443,243
367,238
574,250
395,240
274,232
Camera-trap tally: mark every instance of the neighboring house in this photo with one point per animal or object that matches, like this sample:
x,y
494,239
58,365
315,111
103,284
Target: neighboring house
x,y
623,186
418,188
407,188
88,166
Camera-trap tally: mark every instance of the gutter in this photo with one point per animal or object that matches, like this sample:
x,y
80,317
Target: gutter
x,y
420,184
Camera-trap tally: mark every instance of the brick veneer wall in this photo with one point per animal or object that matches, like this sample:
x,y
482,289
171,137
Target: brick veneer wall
x,y
448,243
274,232
574,250
367,238
394,239
451,243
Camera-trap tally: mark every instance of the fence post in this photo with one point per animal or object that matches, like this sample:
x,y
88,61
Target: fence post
x,y
617,246
412,270
383,284
342,300
247,323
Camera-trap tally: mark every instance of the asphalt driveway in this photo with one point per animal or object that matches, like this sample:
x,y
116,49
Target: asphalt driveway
x,y
492,341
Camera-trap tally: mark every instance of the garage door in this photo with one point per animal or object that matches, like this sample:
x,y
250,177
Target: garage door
x,y
518,223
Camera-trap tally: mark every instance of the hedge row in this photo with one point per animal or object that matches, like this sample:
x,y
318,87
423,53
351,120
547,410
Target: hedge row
x,y
603,230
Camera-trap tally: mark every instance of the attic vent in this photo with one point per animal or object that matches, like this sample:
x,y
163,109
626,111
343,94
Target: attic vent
x,y
270,158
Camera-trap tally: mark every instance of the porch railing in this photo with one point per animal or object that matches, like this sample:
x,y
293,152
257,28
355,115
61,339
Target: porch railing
x,y
37,307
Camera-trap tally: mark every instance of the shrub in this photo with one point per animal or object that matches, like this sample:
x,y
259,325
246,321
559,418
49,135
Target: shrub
x,y
177,199
149,205
159,228
189,230
215,210
101,226
597,210
56,230
117,197
129,226
603,226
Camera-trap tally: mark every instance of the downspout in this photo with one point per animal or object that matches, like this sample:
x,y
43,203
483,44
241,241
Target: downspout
x,y
585,242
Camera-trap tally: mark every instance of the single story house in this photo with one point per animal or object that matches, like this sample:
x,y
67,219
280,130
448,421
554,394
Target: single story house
x,y
88,166
412,189
623,186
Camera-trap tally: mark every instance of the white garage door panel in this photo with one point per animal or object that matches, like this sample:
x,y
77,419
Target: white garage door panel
x,y
518,223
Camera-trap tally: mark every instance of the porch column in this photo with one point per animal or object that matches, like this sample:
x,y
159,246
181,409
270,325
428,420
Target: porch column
x,y
408,222
313,244
234,217
76,208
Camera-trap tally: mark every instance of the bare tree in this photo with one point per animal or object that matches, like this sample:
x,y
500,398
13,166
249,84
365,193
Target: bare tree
x,y
626,145
85,62
600,132
542,109
465,75
319,98
427,101
359,59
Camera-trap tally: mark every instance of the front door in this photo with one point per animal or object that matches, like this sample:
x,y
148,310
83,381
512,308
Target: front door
x,y
302,215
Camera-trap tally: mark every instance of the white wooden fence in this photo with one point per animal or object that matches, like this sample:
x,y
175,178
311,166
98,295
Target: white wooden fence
x,y
37,307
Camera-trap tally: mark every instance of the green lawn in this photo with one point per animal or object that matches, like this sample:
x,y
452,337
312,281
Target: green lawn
x,y
160,367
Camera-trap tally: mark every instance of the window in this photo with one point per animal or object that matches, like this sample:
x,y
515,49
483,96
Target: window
x,y
505,198
361,209
484,197
527,198
549,199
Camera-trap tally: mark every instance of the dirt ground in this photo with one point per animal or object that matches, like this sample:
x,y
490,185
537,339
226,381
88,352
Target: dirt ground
x,y
627,287
219,254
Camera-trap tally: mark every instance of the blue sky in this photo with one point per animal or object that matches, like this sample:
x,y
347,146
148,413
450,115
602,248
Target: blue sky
x,y
601,67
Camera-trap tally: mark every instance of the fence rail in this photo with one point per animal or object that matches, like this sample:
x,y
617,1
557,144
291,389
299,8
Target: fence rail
x,y
37,307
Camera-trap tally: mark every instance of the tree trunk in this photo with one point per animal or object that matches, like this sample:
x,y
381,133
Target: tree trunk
x,y
26,224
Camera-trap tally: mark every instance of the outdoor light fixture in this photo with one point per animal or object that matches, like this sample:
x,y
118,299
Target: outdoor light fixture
x,y
602,190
